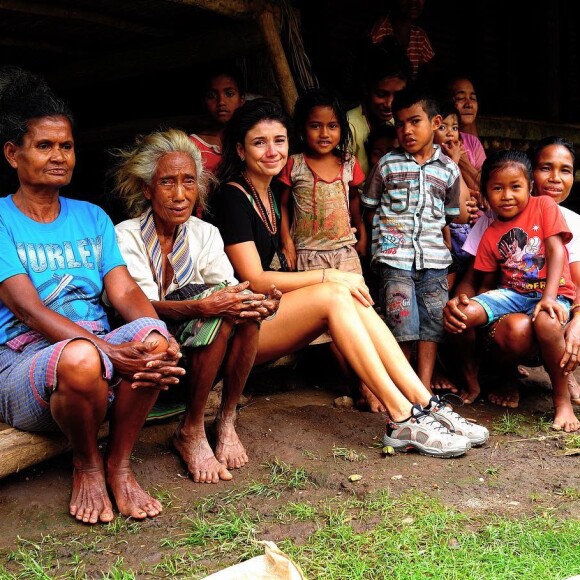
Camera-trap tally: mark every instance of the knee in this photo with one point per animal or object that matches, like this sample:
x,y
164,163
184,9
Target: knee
x,y
161,342
515,334
547,329
335,294
80,365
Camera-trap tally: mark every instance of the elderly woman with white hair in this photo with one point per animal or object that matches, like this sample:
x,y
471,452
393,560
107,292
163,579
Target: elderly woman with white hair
x,y
180,264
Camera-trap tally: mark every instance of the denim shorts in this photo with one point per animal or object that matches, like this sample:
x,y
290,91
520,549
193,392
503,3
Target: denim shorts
x,y
413,302
501,301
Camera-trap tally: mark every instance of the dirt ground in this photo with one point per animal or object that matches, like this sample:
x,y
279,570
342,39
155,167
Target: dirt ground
x,y
291,416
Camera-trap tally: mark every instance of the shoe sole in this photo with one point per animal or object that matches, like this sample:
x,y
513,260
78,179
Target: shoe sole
x,y
407,445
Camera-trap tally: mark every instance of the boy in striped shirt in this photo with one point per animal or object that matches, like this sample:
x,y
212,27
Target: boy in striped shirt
x,y
413,194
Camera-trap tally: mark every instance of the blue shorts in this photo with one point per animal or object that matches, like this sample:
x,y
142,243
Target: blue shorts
x,y
501,301
28,375
413,302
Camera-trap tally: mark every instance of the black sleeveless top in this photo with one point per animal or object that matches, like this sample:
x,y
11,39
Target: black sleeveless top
x,y
238,221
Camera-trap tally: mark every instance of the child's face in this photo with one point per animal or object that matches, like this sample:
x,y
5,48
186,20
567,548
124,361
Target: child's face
x,y
415,130
465,100
380,98
554,172
379,147
448,131
322,131
508,191
222,98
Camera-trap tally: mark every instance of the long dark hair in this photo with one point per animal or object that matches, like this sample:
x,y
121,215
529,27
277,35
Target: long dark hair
x,y
244,118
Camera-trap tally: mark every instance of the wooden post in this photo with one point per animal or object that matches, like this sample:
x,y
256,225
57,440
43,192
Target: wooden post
x,y
282,72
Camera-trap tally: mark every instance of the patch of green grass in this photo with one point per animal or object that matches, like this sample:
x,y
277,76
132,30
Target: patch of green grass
x,y
299,512
492,471
347,454
572,441
435,542
117,572
570,493
285,475
509,424
379,536
121,524
544,425
165,496
309,455
176,565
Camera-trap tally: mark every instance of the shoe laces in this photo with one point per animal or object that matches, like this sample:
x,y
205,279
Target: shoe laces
x,y
444,401
421,415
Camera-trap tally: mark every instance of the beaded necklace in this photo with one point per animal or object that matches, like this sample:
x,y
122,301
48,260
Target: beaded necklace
x,y
265,215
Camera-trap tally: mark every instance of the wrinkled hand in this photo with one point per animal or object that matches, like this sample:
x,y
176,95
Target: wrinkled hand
x,y
571,356
271,304
553,308
233,302
136,363
452,316
354,282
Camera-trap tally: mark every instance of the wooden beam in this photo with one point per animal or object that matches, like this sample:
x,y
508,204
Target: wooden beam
x,y
224,42
53,11
282,72
20,449
229,8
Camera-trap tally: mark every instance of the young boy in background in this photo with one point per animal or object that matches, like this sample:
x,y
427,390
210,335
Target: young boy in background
x,y
414,193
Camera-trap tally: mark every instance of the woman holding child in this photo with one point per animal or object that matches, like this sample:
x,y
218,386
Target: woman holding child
x,y
315,301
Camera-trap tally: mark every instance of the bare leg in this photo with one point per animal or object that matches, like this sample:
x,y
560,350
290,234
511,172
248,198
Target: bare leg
x,y
190,438
469,355
128,413
426,355
79,405
306,312
238,364
440,380
514,341
552,345
366,399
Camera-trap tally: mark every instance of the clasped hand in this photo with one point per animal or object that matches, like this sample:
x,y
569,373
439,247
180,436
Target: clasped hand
x,y
145,365
241,304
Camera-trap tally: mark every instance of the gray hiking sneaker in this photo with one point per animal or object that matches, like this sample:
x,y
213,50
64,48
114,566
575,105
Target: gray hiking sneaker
x,y
440,409
424,433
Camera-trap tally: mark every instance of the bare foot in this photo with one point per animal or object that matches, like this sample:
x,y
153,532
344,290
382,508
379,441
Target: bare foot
x,y
565,420
508,395
469,396
369,401
439,382
229,450
574,389
90,501
199,458
131,499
